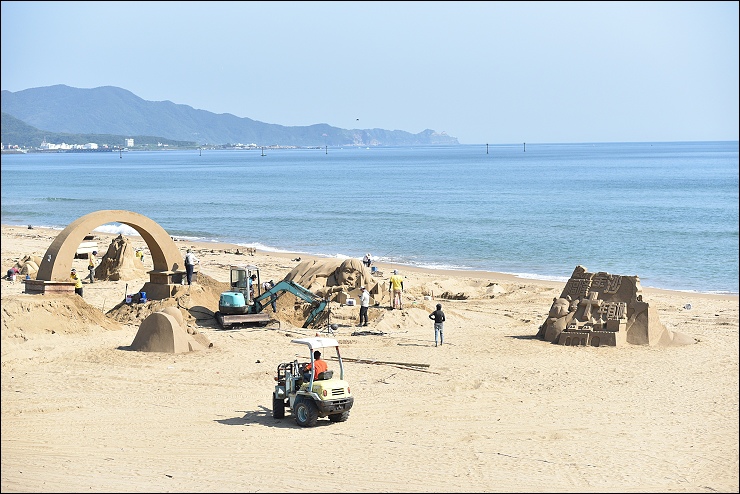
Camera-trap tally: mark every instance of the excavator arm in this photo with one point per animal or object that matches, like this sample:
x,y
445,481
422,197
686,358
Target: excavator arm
x,y
318,303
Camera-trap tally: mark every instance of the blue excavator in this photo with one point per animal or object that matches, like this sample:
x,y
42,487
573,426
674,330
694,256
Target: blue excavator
x,y
246,301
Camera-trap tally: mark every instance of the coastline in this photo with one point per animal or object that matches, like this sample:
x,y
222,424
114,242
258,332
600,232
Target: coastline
x,y
382,266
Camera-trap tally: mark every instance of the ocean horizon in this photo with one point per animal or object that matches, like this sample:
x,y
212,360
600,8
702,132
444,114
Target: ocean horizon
x,y
666,212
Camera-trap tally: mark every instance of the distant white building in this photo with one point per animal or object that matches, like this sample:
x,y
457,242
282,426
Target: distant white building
x,y
129,143
49,146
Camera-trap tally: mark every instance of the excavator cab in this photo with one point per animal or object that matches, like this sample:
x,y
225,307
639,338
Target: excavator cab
x,y
242,290
239,279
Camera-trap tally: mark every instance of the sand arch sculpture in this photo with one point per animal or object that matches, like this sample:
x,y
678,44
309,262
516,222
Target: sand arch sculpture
x,y
166,257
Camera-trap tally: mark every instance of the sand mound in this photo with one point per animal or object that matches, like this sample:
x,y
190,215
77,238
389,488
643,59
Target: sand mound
x,y
26,315
199,301
164,331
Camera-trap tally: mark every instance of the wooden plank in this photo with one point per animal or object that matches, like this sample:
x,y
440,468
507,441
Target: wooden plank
x,y
372,361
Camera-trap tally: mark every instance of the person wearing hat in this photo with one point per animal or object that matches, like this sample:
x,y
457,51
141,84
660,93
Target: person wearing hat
x,y
397,287
367,260
364,304
319,366
439,318
250,283
78,282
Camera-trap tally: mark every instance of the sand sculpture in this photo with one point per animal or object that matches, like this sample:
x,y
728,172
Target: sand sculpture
x,y
600,309
336,279
28,265
119,262
165,331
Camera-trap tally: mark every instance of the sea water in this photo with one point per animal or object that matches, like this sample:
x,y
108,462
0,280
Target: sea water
x,y
666,212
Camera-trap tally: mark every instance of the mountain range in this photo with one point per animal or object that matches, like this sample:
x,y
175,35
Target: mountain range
x,y
118,113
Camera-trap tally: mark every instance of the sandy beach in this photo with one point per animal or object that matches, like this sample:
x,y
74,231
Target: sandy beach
x,y
495,409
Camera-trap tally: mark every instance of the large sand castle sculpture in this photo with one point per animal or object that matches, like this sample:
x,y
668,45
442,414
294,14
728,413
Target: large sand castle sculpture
x,y
600,309
335,279
165,331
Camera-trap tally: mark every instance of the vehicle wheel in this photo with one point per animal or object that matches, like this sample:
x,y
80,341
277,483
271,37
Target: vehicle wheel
x,y
339,417
306,413
278,407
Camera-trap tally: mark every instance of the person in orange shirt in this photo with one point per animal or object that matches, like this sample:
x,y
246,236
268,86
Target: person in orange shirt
x,y
319,366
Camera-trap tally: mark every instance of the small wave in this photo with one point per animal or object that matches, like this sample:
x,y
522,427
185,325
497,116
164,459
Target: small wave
x,y
117,228
443,267
265,248
531,276
47,227
61,199
698,292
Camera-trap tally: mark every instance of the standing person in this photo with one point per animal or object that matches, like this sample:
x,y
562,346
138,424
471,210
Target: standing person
x,y
397,287
78,282
364,304
367,260
91,266
140,255
190,261
269,285
251,280
439,318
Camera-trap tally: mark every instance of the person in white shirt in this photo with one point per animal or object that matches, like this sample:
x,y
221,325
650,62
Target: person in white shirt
x,y
364,304
190,262
267,286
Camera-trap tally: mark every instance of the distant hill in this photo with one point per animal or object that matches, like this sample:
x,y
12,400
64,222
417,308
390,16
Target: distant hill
x,y
21,134
114,111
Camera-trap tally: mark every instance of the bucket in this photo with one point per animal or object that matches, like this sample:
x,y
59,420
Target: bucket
x,y
128,299
373,269
142,299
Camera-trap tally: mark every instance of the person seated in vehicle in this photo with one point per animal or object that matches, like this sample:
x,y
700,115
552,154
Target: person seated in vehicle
x,y
319,366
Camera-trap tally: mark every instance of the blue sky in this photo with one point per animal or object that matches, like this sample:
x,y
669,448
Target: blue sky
x,y
484,72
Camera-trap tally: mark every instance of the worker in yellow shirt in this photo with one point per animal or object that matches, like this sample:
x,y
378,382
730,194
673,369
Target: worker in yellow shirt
x,y
78,282
397,287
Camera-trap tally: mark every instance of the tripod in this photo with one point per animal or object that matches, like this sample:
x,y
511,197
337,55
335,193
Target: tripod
x,y
329,326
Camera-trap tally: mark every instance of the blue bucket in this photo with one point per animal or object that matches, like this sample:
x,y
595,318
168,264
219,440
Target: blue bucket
x,y
373,269
142,299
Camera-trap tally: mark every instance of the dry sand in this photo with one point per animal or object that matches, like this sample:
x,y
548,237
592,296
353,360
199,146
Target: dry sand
x,y
497,411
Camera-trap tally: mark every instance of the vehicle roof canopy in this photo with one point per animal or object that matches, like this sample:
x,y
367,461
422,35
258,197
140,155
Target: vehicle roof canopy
x,y
245,267
315,343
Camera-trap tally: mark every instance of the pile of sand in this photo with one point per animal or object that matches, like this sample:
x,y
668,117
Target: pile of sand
x,y
51,313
